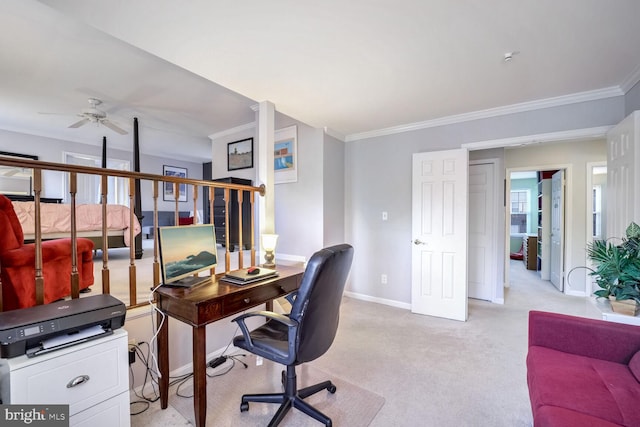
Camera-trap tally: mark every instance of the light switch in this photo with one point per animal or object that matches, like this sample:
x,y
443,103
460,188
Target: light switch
x,y
385,216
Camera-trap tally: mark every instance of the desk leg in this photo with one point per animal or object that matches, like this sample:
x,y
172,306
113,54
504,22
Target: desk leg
x,y
200,375
163,358
269,305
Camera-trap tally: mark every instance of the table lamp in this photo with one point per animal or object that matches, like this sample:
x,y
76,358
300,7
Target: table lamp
x,y
269,245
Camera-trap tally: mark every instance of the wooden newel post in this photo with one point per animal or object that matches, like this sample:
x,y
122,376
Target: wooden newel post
x,y
39,280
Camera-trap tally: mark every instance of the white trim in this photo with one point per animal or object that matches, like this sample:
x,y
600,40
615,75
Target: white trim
x,y
337,135
384,301
232,131
593,95
565,135
631,80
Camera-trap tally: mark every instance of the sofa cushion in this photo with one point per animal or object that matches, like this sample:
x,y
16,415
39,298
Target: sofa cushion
x,y
552,416
634,365
593,387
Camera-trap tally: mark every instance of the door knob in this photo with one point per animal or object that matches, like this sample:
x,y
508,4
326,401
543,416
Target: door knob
x,y
419,242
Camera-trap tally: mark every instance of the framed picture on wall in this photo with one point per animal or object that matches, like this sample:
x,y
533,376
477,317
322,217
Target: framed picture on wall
x,y
168,193
285,155
240,154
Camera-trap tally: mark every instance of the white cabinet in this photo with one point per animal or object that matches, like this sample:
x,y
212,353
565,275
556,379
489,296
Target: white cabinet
x,y
99,369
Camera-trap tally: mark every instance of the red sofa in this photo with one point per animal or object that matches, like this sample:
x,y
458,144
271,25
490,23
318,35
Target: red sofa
x,y
583,372
17,264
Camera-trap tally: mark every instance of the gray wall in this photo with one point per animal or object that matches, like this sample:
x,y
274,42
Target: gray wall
x,y
333,190
378,178
632,99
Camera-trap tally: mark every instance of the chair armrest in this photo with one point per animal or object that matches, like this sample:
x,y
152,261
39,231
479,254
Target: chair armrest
x,y
291,297
292,325
598,339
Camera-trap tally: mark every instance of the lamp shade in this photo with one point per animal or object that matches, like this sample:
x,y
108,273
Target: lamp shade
x,y
269,242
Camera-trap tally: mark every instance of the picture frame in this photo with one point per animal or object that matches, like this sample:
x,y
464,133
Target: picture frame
x,y
285,155
240,154
168,187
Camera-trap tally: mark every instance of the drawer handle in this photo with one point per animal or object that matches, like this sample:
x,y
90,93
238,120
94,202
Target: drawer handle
x,y
247,300
78,380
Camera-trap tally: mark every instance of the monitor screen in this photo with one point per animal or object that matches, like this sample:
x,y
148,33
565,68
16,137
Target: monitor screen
x,y
186,250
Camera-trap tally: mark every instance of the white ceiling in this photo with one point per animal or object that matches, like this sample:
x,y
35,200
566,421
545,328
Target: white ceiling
x,y
352,66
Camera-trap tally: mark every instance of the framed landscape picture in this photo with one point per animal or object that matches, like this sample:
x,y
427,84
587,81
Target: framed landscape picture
x,y
285,156
240,154
167,194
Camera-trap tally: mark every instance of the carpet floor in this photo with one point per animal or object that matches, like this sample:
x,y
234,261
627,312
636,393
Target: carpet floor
x,y
350,405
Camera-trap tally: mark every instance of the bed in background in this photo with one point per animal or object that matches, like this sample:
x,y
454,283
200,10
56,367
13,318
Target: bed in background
x,y
56,222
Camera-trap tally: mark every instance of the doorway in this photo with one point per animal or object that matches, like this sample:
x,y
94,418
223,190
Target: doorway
x,y
535,222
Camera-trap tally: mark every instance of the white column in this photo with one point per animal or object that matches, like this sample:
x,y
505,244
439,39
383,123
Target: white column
x,y
266,131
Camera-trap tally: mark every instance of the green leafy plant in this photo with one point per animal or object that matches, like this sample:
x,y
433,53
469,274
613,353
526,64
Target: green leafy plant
x,y
617,267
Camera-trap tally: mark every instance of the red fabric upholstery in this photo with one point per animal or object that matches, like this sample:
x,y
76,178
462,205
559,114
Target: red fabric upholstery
x,y
17,264
578,373
634,365
185,220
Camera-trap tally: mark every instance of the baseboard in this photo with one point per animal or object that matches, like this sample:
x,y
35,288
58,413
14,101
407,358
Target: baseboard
x,y
384,301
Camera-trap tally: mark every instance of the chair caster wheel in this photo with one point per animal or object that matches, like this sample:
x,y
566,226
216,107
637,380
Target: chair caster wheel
x,y
331,389
244,407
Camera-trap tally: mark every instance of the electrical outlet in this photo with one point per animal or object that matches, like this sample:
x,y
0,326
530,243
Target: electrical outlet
x,y
259,360
133,341
383,279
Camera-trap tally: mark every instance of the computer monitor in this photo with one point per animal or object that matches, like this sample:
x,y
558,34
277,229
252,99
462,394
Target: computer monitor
x,y
185,251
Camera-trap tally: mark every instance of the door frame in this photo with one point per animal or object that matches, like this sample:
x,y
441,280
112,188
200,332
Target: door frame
x,y
589,220
568,213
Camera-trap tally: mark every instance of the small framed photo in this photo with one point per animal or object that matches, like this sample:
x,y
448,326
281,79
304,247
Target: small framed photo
x,y
167,194
240,154
285,156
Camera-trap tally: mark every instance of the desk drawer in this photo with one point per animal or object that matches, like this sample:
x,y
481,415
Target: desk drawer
x,y
250,297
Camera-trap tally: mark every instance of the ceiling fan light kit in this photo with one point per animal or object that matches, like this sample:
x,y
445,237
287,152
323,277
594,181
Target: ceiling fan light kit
x,y
95,115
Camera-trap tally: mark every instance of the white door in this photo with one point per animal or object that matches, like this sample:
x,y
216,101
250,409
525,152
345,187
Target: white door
x,y
557,229
622,203
482,234
439,226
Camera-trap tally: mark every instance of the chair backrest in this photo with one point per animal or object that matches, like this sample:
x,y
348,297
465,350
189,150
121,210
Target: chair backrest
x,y
10,228
317,304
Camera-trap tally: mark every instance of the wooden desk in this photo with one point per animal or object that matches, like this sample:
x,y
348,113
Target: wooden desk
x,y
202,305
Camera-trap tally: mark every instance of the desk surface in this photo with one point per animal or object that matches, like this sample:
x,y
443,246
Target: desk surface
x,y
215,300
206,303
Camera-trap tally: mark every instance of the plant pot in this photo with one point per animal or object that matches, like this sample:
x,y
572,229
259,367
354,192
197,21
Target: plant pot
x,y
627,306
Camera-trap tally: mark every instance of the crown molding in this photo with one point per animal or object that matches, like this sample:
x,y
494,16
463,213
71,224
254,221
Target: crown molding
x,y
337,135
567,135
232,131
631,80
494,112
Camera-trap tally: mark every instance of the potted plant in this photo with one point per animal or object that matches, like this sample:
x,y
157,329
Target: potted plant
x,y
617,270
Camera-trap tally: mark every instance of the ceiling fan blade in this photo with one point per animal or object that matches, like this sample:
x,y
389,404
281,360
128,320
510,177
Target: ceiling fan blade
x,y
114,127
80,123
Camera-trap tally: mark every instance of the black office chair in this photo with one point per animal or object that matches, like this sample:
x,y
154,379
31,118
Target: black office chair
x,y
304,335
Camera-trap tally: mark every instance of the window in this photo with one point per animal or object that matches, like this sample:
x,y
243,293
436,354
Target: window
x,y
519,210
88,190
597,211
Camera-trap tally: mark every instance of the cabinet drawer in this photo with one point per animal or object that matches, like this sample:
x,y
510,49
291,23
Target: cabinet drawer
x,y
99,367
114,412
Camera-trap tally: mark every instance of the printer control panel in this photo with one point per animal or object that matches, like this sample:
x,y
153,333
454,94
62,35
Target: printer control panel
x,y
22,333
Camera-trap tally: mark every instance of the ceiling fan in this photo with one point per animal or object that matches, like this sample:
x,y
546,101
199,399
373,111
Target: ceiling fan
x,y
95,115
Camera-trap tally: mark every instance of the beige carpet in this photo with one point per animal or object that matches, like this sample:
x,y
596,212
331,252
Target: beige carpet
x,y
350,405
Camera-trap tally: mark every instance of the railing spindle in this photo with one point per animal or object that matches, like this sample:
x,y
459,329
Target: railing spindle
x,y
39,280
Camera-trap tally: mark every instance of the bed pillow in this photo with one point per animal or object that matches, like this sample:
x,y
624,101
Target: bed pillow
x,y
185,220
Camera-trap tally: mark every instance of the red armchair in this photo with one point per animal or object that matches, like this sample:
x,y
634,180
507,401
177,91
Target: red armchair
x,y
17,264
